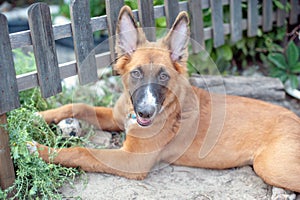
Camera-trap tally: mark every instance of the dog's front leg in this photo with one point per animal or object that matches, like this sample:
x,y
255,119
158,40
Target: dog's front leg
x,y
101,117
114,161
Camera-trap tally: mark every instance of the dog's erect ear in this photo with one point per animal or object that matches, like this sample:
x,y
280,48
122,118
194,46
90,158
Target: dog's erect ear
x,y
128,35
178,37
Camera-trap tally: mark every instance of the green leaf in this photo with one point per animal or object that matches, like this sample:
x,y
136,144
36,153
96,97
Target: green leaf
x,y
278,60
259,32
225,52
209,45
277,47
278,4
263,58
292,54
296,68
279,73
287,7
294,81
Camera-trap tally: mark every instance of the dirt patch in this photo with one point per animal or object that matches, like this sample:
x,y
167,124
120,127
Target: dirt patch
x,y
173,182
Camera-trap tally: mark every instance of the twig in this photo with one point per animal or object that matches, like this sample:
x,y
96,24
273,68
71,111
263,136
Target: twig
x,y
294,33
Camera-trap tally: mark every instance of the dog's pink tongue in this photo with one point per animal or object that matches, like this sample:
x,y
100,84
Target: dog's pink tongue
x,y
143,121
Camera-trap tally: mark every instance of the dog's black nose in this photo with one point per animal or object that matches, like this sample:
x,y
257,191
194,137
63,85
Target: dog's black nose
x,y
146,111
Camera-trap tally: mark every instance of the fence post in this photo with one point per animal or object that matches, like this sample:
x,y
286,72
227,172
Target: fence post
x,y
40,24
267,15
293,18
83,41
112,10
7,173
9,96
252,15
9,100
217,22
281,14
171,10
197,31
146,18
235,20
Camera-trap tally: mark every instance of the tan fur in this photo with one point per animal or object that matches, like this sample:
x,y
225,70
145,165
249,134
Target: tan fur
x,y
195,129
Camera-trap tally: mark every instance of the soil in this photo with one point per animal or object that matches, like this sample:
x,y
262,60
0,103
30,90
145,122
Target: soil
x,y
173,182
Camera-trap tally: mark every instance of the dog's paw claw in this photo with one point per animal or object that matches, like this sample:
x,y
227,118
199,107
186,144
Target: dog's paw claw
x,y
31,146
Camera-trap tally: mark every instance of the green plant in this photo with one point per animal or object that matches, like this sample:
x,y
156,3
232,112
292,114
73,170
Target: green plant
x,y
206,62
25,63
35,179
286,64
233,58
97,8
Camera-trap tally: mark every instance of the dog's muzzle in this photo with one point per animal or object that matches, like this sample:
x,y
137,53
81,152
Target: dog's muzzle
x,y
147,101
145,114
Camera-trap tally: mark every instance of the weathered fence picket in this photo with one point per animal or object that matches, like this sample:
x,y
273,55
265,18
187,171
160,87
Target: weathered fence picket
x,y
42,36
217,22
171,12
252,15
236,30
83,41
9,100
267,15
295,7
197,31
112,11
281,13
7,173
146,18
43,43
9,96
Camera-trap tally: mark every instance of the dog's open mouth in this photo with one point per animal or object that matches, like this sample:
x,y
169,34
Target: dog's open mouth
x,y
143,121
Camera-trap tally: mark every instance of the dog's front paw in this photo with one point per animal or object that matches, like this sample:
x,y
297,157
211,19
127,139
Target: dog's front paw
x,y
48,116
32,146
53,116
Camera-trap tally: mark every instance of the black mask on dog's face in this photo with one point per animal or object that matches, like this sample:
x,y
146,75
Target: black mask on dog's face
x,y
148,90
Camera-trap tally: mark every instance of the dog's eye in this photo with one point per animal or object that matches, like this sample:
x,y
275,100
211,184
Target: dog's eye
x,y
136,74
163,76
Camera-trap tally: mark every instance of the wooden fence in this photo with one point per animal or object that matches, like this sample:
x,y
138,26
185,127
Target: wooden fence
x,y
42,36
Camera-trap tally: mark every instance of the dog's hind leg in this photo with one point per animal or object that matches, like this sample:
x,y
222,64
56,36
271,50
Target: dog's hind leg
x,y
278,163
101,117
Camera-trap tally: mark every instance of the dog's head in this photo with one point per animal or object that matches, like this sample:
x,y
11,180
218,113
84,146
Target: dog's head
x,y
148,69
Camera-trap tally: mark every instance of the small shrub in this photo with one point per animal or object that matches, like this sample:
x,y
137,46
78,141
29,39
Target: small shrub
x,y
34,177
286,65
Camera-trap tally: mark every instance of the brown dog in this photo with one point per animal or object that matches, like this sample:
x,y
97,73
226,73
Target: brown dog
x,y
167,120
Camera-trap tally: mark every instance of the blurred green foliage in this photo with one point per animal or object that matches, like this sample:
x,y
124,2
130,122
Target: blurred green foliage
x,y
286,65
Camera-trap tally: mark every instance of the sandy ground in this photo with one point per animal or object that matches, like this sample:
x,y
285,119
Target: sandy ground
x,y
177,182
173,182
